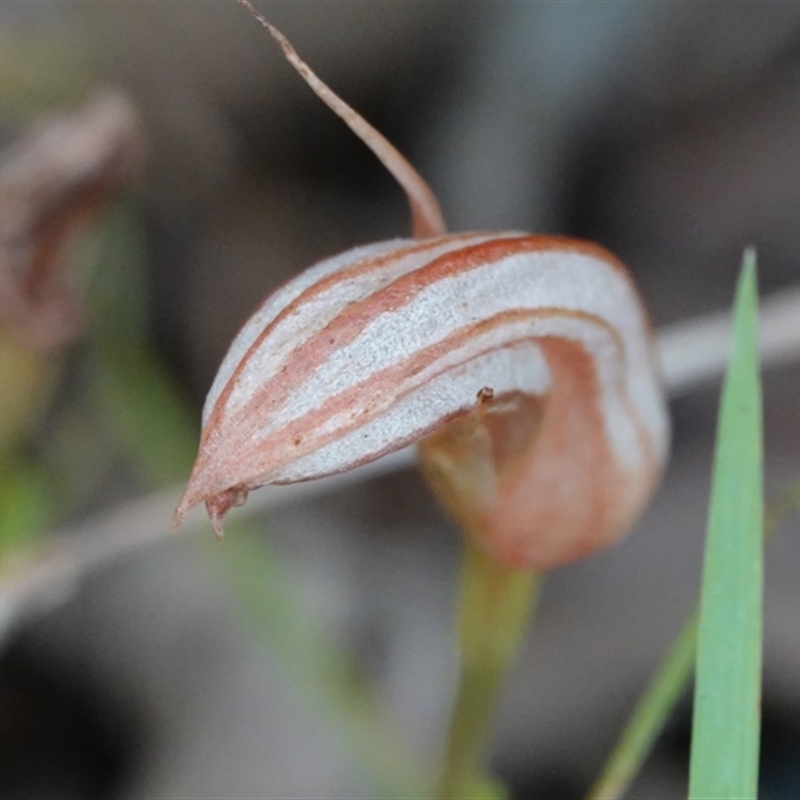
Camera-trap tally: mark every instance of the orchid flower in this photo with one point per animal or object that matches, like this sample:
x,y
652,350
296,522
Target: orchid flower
x,y
522,365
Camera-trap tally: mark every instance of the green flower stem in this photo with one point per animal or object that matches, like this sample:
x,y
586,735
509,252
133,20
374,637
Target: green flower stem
x,y
649,716
495,605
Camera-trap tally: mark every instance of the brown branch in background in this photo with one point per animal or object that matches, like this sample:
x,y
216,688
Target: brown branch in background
x,y
52,182
694,353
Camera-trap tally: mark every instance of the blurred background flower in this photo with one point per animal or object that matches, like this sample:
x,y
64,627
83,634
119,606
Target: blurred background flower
x,y
668,132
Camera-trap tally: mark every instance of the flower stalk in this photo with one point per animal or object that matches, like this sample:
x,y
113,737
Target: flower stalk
x,y
495,606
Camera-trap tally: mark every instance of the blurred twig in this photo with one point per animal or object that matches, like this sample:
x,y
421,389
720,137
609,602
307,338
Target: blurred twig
x,y
49,572
696,352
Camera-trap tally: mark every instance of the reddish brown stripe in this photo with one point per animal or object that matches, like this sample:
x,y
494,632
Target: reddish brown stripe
x,y
284,446
352,321
359,268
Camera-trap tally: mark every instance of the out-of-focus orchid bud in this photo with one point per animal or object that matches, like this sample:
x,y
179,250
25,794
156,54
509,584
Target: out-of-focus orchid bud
x,y
53,180
522,364
51,184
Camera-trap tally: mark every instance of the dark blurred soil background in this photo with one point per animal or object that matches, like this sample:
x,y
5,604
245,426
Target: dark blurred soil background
x,y
669,132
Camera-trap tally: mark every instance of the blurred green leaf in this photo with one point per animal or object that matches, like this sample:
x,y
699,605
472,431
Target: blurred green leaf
x,y
488,789
27,381
142,410
138,402
78,455
726,724
26,507
326,674
42,68
113,265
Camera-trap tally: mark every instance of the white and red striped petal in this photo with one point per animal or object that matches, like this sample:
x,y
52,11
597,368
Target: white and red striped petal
x,y
379,347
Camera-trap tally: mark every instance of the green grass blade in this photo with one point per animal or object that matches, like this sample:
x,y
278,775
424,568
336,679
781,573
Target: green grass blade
x,y
725,733
649,716
671,681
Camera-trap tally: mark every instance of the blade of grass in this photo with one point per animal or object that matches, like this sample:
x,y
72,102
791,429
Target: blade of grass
x,y
649,716
671,681
726,722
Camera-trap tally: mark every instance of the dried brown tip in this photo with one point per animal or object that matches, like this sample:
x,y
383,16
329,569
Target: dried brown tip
x,y
217,506
426,214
